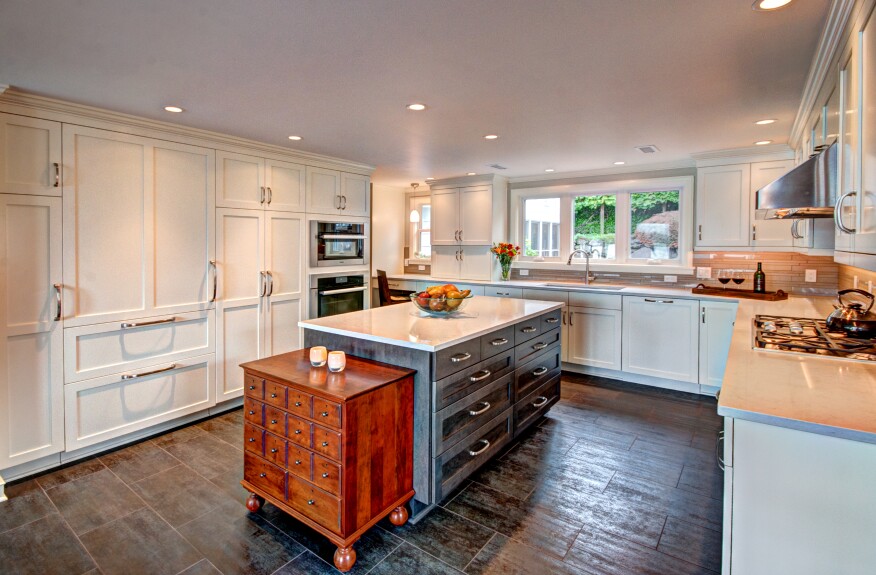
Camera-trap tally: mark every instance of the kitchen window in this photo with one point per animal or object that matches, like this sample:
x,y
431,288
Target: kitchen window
x,y
421,233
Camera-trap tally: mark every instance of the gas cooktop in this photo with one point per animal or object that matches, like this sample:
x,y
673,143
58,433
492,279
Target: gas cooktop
x,y
810,337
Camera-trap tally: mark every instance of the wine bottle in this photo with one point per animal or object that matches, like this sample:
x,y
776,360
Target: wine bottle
x,y
759,280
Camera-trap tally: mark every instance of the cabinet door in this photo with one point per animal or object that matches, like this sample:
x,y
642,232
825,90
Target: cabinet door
x,y
476,263
240,181
31,379
850,148
768,233
285,183
476,215
323,191
445,262
355,194
661,337
716,330
594,337
722,206
240,255
284,236
30,156
184,218
865,234
445,217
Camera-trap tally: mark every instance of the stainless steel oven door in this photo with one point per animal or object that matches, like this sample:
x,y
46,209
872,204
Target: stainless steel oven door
x,y
326,302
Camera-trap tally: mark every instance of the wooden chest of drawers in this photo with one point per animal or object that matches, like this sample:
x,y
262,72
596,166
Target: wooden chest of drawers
x,y
334,450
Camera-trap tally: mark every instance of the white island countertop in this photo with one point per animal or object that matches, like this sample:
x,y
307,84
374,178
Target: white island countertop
x,y
406,326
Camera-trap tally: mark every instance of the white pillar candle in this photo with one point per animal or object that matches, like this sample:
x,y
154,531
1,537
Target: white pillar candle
x,y
337,361
318,355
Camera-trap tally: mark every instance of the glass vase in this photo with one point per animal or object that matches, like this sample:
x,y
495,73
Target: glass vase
x,y
506,270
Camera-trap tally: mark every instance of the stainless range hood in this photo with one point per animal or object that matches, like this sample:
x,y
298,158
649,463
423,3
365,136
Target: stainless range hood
x,y
807,191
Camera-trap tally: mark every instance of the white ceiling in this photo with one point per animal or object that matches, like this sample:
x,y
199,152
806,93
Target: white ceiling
x,y
567,84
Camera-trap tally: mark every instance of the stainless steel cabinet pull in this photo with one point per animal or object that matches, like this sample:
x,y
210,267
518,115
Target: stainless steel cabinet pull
x,y
57,302
325,443
838,213
564,318
274,450
480,375
262,195
263,474
529,329
719,444
486,446
297,404
57,174
540,371
263,284
325,475
539,345
703,314
345,202
486,406
270,195
338,198
131,324
659,300
700,232
552,320
499,341
297,432
324,414
270,276
753,232
456,235
145,373
460,357
462,255
215,279
540,400
310,502
795,233
460,235
457,255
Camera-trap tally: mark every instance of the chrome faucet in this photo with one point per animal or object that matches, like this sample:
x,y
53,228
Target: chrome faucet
x,y
587,253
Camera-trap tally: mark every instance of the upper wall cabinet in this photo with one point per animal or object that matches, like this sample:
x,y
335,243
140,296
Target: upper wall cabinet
x,y
30,156
723,206
138,226
250,182
337,193
768,233
462,216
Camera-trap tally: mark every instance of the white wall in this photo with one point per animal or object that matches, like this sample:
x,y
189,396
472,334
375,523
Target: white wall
x,y
388,217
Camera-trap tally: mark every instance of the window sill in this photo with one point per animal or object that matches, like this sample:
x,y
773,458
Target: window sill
x,y
669,269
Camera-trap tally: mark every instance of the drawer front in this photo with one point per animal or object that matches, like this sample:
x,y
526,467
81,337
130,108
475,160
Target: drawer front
x,y
534,405
275,394
253,439
600,300
299,461
275,420
536,345
528,329
254,411
456,358
497,342
327,474
315,503
536,371
401,285
503,292
463,459
546,295
108,348
327,412
299,402
551,320
275,449
455,422
327,442
299,431
267,477
254,386
454,388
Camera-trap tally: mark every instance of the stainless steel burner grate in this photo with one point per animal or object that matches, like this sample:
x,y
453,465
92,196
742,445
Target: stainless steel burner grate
x,y
809,336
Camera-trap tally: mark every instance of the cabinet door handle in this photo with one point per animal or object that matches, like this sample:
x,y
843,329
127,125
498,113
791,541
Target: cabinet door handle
x,y
529,329
571,315
540,400
460,357
700,232
753,232
480,375
131,324
462,255
719,444
263,284
57,302
270,276
145,373
564,317
325,475
486,446
57,167
539,345
484,409
838,214
460,235
270,195
456,235
703,314
499,341
659,300
262,195
795,233
552,320
540,371
215,279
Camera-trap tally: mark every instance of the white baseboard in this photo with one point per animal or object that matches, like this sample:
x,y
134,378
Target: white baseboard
x,y
635,378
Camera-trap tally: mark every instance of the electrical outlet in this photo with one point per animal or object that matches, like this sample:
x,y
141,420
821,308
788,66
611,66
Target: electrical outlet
x,y
811,276
704,273
421,268
524,272
870,286
855,282
670,279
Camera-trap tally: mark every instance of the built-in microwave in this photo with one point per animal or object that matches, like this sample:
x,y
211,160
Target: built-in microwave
x,y
333,295
338,243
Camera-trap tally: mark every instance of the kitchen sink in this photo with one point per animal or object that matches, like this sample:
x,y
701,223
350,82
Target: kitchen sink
x,y
582,286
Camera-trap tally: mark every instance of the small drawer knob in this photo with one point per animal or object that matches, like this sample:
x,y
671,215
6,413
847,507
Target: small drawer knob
x,y
325,475
252,440
274,450
297,432
274,421
310,501
297,462
325,443
273,395
263,474
324,414
297,404
252,412
252,387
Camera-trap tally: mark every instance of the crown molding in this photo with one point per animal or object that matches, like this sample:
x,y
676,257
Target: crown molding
x,y
613,171
743,155
18,102
830,41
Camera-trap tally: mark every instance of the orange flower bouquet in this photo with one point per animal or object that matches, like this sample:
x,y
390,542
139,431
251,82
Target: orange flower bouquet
x,y
504,254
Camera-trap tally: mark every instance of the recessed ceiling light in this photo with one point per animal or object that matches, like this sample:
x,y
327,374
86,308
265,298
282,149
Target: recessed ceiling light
x,y
174,109
471,174
491,137
765,122
429,179
619,163
549,170
296,138
769,4
763,142
416,107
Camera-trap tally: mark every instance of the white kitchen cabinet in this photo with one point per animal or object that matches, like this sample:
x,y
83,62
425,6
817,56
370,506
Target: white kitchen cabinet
x,y
723,209
337,193
244,181
850,151
865,228
355,194
768,233
462,216
31,355
715,332
496,291
461,262
661,337
260,290
30,156
594,337
138,226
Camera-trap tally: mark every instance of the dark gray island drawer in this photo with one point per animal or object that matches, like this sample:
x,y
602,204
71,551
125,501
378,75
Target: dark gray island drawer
x,y
453,423
528,329
497,341
455,387
533,347
534,405
455,358
551,320
538,370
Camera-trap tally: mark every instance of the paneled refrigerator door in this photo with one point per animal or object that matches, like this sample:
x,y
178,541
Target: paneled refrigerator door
x,y
284,248
30,156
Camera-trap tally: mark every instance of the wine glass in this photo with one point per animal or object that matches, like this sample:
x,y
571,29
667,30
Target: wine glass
x,y
724,277
738,276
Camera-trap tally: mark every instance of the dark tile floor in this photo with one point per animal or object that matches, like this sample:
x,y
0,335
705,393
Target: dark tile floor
x,y
617,479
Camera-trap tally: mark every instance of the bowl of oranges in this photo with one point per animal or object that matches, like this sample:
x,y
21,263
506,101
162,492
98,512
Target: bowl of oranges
x,y
443,300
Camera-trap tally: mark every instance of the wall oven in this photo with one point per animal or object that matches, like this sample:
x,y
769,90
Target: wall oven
x,y
338,244
333,295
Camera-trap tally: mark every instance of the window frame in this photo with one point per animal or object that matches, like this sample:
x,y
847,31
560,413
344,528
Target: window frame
x,y
416,202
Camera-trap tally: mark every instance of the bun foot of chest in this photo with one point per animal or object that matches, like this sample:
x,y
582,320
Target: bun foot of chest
x,y
345,558
254,502
399,515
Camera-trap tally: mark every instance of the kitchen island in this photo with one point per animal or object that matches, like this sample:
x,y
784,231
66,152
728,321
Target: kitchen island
x,y
482,376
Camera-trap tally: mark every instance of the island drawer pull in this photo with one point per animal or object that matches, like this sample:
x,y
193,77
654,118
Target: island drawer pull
x,y
484,374
486,407
540,371
658,300
145,373
131,324
460,357
552,320
719,443
540,403
529,329
539,345
499,341
486,446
